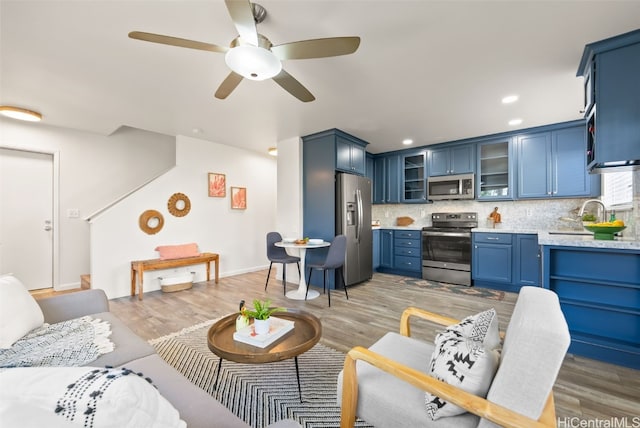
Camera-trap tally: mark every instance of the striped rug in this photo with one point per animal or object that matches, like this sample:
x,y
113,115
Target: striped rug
x,y
260,394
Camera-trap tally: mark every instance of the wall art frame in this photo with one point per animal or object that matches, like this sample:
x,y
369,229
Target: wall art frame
x,y
217,184
238,198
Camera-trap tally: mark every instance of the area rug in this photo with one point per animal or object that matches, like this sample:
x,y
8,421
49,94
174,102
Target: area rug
x,y
260,394
452,288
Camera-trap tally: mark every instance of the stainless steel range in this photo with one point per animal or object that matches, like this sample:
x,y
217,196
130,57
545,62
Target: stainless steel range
x,y
446,247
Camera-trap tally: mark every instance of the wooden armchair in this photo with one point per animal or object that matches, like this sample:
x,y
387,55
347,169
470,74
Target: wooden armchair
x,y
520,395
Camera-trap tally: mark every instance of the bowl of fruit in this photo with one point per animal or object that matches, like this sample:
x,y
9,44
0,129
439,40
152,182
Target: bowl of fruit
x,y
605,230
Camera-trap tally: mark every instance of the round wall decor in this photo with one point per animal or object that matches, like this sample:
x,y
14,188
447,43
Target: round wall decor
x,y
150,222
179,204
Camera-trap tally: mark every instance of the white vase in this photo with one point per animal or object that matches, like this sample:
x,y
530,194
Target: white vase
x,y
261,326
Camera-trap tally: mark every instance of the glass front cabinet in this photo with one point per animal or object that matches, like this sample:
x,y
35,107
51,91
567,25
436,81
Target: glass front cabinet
x,y
494,179
414,176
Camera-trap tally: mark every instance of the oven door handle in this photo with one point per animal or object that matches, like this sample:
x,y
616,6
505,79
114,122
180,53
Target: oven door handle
x,y
453,234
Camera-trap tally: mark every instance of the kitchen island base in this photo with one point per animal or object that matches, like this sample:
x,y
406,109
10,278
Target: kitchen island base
x,y
599,291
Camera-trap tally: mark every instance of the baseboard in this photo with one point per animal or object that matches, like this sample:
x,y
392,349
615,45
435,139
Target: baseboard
x,y
69,286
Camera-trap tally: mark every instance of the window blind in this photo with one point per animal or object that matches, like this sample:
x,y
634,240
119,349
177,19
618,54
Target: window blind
x,y
617,189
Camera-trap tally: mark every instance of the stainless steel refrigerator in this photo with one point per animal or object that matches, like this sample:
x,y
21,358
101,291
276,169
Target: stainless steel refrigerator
x,y
353,219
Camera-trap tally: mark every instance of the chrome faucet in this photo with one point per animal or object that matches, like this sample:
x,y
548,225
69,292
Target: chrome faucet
x,y
597,201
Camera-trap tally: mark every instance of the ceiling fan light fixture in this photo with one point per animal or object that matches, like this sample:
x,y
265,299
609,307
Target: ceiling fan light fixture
x,y
20,113
253,62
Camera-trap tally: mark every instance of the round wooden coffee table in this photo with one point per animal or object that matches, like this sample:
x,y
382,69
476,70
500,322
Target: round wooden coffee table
x,y
305,334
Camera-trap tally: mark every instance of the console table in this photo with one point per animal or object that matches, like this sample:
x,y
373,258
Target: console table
x,y
138,268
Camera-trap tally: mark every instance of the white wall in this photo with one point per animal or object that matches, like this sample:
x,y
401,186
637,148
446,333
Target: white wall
x,y
94,170
289,222
238,236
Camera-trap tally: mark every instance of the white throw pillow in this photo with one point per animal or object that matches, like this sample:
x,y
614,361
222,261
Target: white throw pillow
x,y
465,356
19,312
481,327
84,396
461,362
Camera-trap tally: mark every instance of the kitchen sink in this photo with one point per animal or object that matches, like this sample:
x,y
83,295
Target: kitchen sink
x,y
570,232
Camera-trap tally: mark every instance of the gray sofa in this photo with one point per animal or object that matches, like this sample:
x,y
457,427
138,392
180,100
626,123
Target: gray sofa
x,y
196,407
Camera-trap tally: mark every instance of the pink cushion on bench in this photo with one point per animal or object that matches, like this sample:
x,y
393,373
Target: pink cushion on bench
x,y
168,252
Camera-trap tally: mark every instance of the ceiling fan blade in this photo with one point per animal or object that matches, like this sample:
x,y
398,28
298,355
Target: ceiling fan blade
x,y
317,48
228,85
295,88
176,41
242,16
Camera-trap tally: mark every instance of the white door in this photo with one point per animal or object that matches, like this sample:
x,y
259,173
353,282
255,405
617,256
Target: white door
x,y
26,217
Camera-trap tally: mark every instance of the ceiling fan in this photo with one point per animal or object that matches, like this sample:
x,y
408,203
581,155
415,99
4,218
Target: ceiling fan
x,y
251,55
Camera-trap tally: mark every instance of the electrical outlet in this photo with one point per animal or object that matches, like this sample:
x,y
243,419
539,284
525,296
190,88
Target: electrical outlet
x,y
73,213
529,212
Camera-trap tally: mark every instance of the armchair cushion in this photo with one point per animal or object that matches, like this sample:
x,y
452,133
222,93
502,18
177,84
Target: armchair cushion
x,y
381,397
535,344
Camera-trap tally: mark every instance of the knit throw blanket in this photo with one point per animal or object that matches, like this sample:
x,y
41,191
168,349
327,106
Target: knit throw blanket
x,y
74,342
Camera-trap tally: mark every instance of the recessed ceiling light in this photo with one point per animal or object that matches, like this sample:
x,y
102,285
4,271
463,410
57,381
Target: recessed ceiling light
x,y
273,151
510,99
20,113
407,141
514,122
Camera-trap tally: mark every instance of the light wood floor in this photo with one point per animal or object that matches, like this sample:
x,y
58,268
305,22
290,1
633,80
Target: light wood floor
x,y
585,388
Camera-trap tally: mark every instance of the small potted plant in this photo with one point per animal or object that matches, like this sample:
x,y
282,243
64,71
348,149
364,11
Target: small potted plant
x,y
261,313
588,219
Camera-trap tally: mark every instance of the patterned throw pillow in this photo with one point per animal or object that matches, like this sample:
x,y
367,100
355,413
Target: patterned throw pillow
x,y
465,356
481,327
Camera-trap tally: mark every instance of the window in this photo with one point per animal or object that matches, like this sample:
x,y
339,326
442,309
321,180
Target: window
x,y
617,189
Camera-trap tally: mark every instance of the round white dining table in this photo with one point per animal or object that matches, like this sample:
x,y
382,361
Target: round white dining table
x,y
300,293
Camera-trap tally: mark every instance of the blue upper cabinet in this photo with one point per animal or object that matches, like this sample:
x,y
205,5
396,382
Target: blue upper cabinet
x,y
534,175
320,154
350,155
414,184
452,160
386,182
611,72
552,164
494,179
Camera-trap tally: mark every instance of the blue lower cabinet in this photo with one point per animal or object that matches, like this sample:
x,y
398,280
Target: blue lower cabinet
x,y
505,261
376,249
386,249
599,292
407,246
400,252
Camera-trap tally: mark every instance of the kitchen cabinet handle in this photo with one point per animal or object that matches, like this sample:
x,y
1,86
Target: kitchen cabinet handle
x,y
491,238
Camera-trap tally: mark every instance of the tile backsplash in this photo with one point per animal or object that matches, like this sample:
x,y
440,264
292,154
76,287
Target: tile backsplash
x,y
549,214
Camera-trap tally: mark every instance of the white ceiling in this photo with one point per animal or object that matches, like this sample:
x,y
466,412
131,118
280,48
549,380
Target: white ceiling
x,y
433,71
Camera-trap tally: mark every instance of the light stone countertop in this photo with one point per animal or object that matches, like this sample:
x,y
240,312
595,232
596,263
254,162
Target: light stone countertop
x,y
624,243
569,238
397,227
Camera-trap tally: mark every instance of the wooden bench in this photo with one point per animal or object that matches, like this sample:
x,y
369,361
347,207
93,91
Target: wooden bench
x,y
138,268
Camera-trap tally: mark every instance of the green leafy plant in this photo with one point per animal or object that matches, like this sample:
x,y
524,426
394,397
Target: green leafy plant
x,y
262,310
588,217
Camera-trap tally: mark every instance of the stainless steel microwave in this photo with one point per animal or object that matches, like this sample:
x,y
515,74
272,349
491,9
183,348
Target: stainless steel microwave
x,y
451,187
